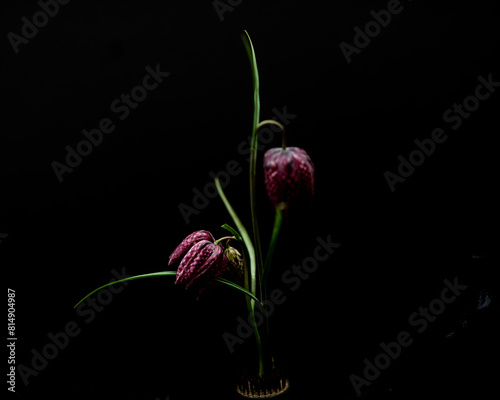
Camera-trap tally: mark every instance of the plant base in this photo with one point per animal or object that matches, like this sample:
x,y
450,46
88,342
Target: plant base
x,y
263,387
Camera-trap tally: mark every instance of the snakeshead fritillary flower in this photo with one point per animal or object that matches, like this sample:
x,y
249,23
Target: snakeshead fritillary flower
x,y
288,174
189,242
204,262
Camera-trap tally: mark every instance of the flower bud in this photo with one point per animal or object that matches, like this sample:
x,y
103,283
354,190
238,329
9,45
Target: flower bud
x,y
236,262
288,175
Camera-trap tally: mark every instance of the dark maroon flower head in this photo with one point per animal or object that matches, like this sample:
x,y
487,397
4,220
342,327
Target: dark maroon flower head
x,y
288,174
204,262
189,242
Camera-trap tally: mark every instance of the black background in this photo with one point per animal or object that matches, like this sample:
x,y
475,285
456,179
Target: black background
x,y
119,208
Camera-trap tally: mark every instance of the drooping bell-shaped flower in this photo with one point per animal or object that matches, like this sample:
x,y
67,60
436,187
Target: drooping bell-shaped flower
x,y
202,263
189,242
288,175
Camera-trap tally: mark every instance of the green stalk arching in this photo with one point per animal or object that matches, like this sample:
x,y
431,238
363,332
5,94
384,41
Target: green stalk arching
x,y
276,123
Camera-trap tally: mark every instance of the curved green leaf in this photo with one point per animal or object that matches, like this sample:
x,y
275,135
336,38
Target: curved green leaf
x,y
167,273
238,287
244,235
233,231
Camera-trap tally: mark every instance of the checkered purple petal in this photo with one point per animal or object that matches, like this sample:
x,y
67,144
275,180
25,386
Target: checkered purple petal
x,y
194,259
189,242
288,174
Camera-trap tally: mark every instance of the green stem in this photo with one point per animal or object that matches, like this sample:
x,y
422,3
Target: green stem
x,y
267,266
244,235
253,148
274,122
252,285
223,238
253,172
274,238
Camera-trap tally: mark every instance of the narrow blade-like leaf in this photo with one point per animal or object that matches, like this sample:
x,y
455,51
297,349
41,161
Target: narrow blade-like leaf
x,y
168,273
